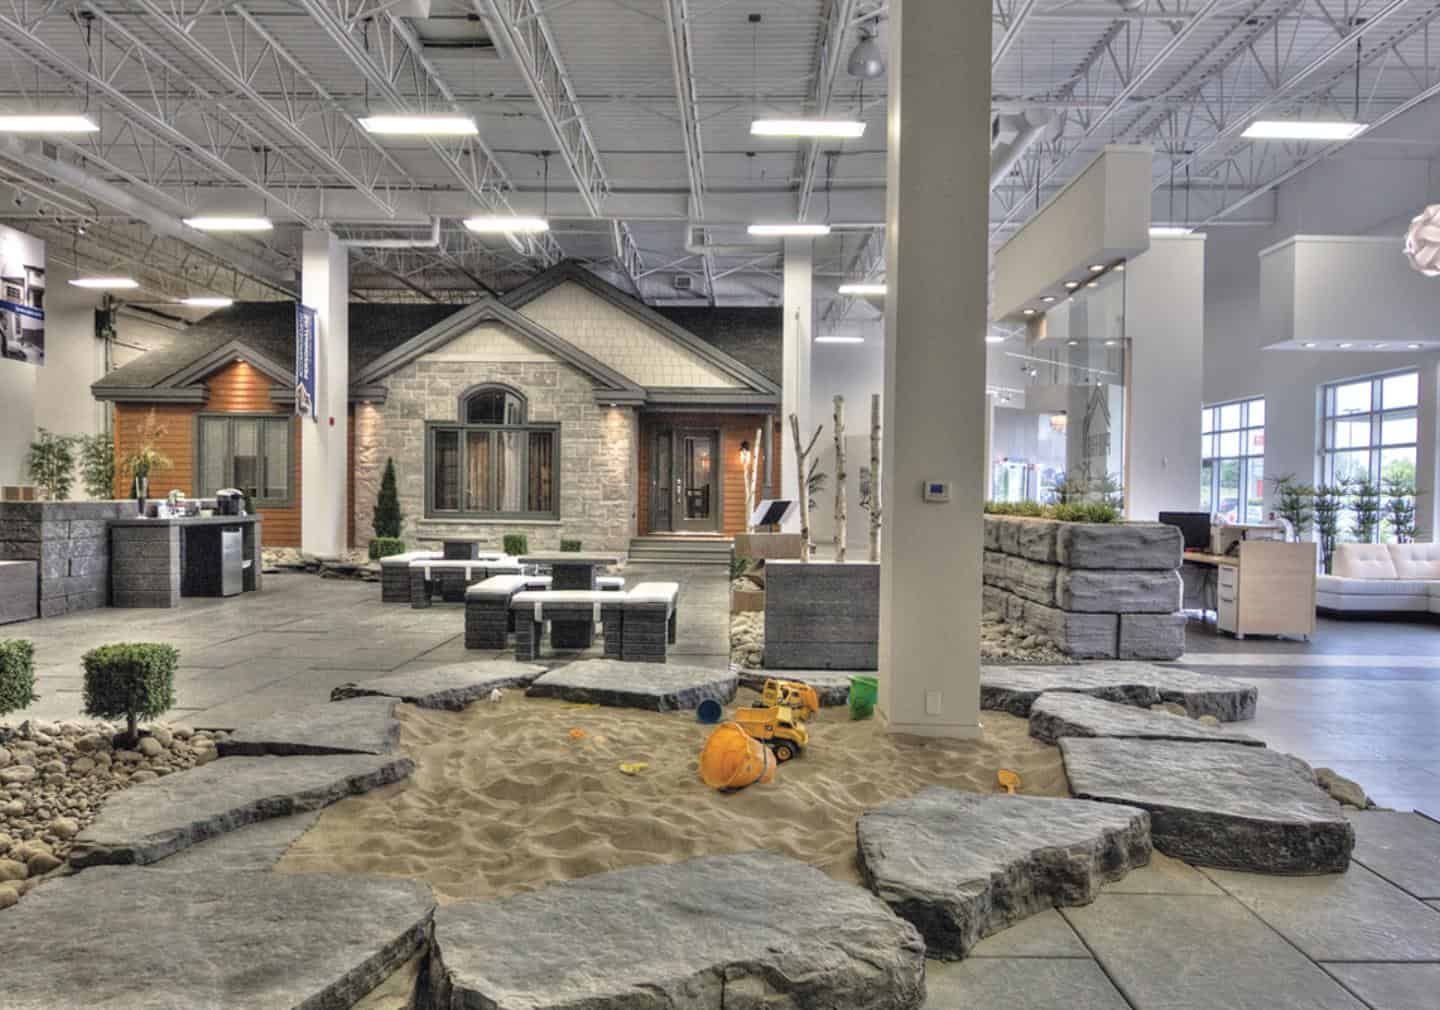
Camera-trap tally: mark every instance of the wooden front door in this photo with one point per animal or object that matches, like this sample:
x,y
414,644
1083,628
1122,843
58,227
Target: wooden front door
x,y
685,480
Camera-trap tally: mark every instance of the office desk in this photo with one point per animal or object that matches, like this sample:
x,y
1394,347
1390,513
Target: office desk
x,y
1267,588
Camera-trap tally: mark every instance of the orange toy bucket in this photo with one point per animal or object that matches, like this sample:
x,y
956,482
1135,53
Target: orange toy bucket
x,y
733,759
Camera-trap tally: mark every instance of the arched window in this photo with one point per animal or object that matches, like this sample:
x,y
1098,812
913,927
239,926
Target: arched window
x,y
492,463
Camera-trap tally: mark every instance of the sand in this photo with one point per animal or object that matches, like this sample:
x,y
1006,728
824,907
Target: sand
x,y
504,799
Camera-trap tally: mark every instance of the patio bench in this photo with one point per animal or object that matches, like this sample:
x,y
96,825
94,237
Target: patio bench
x,y
569,611
395,574
649,622
452,578
610,583
488,618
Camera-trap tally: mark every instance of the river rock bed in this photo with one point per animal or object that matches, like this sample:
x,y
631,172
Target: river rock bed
x,y
55,776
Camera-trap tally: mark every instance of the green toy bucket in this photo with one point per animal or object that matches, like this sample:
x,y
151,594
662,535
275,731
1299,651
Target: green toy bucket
x,y
864,691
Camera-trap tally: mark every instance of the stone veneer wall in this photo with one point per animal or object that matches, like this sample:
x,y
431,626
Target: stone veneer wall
x,y
1097,591
597,452
70,543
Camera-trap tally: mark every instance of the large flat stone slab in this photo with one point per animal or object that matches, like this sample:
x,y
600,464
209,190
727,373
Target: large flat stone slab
x,y
657,687
1056,714
146,823
1391,986
962,866
1021,983
355,726
1014,689
1351,916
749,931
445,687
127,938
1404,848
831,686
1200,953
257,846
1216,804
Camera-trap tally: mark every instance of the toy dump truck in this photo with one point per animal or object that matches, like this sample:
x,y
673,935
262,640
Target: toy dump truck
x,y
793,694
778,726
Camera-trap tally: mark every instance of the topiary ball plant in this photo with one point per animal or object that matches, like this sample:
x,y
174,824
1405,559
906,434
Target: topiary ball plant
x,y
134,680
516,544
383,547
17,676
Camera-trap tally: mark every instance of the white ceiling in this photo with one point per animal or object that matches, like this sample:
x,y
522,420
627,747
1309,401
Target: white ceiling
x,y
641,111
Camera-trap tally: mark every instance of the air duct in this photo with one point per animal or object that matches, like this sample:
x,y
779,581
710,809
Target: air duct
x,y
433,242
1011,135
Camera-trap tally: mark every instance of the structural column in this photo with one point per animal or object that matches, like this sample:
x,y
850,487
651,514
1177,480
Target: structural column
x,y
937,259
795,382
325,287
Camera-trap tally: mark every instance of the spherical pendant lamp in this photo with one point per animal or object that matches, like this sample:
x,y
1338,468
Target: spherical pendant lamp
x,y
1422,241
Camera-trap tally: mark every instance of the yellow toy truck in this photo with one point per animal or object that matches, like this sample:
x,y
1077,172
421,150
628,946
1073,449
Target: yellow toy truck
x,y
792,694
778,726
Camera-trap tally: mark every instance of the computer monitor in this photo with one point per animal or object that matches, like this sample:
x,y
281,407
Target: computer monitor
x,y
1193,526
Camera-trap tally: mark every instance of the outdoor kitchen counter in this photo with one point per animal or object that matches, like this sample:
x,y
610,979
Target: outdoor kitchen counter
x,y
155,562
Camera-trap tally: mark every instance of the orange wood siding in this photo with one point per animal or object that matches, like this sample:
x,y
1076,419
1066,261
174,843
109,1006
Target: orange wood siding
x,y
734,429
238,388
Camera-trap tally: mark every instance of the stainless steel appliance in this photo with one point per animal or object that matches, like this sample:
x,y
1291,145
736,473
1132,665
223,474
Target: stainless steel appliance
x,y
232,563
228,502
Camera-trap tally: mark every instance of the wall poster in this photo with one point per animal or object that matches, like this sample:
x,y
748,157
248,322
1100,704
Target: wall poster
x,y
22,297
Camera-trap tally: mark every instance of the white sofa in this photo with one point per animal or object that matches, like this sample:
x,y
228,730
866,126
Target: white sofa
x,y
1381,579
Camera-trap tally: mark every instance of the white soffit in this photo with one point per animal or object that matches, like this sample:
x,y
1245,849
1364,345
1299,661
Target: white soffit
x,y
1100,216
1328,288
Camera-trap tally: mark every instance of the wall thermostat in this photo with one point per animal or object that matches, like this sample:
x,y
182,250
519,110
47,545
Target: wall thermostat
x,y
937,490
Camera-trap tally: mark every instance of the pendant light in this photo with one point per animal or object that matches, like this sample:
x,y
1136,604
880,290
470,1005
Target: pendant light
x,y
867,59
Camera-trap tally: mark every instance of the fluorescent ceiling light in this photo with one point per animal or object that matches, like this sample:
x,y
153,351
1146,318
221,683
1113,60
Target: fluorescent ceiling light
x,y
1346,347
47,124
105,282
994,338
1303,129
208,303
1414,347
420,126
1111,343
839,340
1381,344
862,289
1072,285
1047,299
1307,344
1096,268
507,224
1072,343
230,223
789,229
844,128
1029,312
1169,230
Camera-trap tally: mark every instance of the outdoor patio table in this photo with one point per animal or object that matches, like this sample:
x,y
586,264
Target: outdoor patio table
x,y
572,570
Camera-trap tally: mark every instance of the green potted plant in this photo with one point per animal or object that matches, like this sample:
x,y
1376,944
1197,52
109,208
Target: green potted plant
x,y
1292,503
51,464
1328,503
97,465
134,680
1400,509
17,677
387,518
146,457
1365,510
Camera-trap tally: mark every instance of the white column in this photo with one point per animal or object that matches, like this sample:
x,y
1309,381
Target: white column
x,y
795,382
1427,454
325,287
937,259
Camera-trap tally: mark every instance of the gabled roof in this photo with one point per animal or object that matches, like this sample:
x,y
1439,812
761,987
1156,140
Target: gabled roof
x,y
610,384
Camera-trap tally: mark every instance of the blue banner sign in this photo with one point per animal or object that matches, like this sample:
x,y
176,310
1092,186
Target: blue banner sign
x,y
305,341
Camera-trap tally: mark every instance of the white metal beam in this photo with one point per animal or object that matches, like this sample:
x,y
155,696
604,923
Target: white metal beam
x,y
677,23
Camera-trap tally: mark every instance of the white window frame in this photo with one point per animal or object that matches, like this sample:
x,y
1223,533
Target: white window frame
x,y
1211,432
1376,445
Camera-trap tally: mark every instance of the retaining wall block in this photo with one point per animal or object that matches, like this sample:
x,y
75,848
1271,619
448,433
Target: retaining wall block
x,y
1032,579
1089,590
1120,546
1152,636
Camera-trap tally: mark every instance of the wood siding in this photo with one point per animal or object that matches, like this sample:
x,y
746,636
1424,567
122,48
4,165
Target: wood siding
x,y
734,429
238,388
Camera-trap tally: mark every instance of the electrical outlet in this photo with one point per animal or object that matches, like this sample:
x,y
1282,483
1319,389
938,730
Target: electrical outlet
x,y
932,702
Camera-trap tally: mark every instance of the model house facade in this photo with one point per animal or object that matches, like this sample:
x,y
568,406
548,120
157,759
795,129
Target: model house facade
x,y
564,409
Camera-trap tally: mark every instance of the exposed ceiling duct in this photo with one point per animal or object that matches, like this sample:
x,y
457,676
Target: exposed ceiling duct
x,y
1012,134
433,242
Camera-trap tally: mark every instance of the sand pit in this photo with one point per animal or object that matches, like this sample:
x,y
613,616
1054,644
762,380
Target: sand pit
x,y
504,799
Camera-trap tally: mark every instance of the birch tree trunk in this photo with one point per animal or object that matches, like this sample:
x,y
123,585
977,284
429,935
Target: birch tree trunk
x,y
875,477
802,478
840,478
752,485
747,470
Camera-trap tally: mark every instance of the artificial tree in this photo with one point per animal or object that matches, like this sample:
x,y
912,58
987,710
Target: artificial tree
x,y
1400,509
1293,503
1365,510
387,518
1328,504
97,464
51,464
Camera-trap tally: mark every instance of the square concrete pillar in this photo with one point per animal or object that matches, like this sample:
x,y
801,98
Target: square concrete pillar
x,y
325,287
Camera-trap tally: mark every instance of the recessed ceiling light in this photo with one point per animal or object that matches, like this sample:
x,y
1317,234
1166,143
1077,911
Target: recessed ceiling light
x,y
230,223
47,124
994,338
1346,347
1307,344
1029,312
1119,268
420,126
105,283
864,288
1302,129
1072,285
1096,268
1093,284
1414,347
1072,343
1111,343
841,128
506,224
789,229
208,303
1169,230
1047,298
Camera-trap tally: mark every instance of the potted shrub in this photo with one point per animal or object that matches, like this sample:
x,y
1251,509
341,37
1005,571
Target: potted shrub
x,y
134,680
17,676
51,464
97,465
146,457
387,517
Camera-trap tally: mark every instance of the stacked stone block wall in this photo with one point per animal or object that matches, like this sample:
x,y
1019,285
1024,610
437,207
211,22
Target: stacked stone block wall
x,y
70,545
1097,591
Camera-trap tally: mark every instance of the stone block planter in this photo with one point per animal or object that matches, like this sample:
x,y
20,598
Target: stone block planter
x,y
822,615
1097,590
768,546
69,544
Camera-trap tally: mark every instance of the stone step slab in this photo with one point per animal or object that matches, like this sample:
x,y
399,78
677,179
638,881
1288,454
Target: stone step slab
x,y
1014,689
1216,804
1057,714
745,932
451,687
356,726
831,687
147,822
962,866
668,687
127,938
